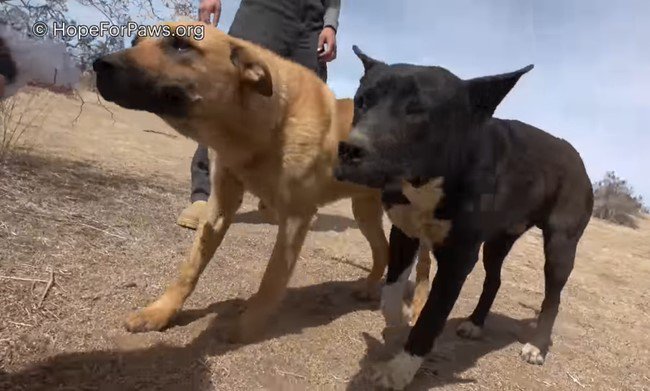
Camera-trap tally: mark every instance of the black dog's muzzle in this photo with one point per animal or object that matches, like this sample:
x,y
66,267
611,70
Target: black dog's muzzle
x,y
350,154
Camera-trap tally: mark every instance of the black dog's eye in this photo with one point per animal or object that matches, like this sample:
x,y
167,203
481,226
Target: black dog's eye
x,y
360,103
414,106
180,44
365,101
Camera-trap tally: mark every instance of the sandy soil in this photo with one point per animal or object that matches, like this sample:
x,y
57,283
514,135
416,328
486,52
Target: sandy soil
x,y
94,204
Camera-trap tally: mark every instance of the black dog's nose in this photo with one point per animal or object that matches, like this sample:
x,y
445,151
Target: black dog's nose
x,y
350,153
102,64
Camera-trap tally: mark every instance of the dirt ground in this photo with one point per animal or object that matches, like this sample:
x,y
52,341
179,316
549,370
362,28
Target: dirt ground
x,y
93,204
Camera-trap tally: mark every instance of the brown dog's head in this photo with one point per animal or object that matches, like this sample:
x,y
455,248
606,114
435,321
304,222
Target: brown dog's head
x,y
183,72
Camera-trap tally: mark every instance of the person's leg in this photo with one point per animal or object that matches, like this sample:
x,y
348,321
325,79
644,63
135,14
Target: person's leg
x,y
305,49
200,174
305,53
272,24
322,70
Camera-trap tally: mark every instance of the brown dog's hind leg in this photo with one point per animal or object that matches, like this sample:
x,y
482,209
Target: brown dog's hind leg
x,y
422,272
291,235
368,213
225,199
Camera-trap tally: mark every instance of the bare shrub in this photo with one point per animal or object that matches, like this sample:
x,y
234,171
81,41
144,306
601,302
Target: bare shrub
x,y
614,201
19,115
88,81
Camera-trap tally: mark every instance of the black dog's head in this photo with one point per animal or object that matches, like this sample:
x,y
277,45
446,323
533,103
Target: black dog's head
x,y
407,116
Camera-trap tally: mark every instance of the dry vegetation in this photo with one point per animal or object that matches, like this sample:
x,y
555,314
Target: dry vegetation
x,y
19,115
614,201
87,234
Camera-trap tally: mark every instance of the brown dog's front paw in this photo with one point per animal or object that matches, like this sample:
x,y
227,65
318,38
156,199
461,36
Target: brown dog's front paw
x,y
250,327
368,290
149,319
268,214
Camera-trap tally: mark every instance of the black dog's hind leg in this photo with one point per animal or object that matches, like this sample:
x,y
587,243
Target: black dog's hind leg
x,y
455,262
494,253
560,251
402,255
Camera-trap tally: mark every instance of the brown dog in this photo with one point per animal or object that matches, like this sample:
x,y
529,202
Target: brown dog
x,y
273,128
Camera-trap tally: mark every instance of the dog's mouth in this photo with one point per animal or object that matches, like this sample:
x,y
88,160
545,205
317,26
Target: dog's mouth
x,y
359,166
350,154
132,88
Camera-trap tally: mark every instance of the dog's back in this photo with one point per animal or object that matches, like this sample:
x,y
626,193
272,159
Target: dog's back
x,y
541,176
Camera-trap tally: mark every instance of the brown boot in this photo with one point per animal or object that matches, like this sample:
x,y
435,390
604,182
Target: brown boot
x,y
191,216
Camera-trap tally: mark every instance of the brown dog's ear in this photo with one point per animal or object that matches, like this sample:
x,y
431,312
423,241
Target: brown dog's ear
x,y
252,70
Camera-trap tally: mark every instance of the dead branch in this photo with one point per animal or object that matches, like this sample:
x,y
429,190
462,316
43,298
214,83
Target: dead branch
x,y
575,380
23,279
159,132
81,107
47,288
99,101
101,230
20,324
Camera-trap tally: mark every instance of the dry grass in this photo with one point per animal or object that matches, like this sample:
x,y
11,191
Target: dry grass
x,y
20,114
92,209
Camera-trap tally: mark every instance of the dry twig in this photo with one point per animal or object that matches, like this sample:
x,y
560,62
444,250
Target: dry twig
x,y
47,289
575,380
81,107
23,279
20,324
101,230
290,374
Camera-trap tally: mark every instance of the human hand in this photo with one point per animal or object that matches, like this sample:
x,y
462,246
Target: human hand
x,y
208,8
327,44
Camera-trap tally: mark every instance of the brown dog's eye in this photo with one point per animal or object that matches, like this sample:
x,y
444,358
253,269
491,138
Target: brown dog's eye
x,y
180,44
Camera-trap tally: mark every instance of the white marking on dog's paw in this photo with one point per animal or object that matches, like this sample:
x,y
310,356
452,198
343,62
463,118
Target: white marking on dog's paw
x,y
532,355
395,312
397,373
467,329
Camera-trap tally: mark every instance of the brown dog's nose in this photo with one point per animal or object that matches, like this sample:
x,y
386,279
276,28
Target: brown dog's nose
x,y
100,65
104,63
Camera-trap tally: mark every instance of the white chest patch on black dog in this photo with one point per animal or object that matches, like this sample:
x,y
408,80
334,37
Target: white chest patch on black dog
x,y
417,219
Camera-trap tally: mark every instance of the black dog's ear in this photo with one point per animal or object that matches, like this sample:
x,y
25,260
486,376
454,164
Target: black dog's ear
x,y
252,69
367,61
486,93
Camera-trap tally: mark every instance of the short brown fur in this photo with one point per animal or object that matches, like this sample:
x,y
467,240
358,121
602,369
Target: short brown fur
x,y
282,148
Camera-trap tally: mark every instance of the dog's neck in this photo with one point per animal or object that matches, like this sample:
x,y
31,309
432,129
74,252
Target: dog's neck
x,y
239,133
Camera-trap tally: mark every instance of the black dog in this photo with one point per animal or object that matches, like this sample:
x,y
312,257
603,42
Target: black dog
x,y
456,177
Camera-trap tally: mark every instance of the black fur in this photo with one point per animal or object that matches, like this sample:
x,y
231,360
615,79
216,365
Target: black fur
x,y
7,65
501,177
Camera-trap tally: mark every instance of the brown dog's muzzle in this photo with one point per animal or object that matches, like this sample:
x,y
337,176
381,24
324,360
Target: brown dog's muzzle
x,y
121,82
